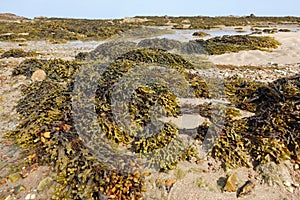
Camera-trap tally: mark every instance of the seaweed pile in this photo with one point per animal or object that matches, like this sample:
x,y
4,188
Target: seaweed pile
x,y
235,43
150,142
18,53
200,34
57,69
213,46
112,50
272,134
47,129
60,29
156,43
127,115
205,22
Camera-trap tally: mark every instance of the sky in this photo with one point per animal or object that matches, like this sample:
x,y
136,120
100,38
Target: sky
x,y
112,9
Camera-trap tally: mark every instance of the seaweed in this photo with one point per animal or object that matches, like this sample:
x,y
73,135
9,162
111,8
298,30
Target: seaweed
x,y
47,130
57,69
225,44
164,44
18,53
112,50
272,134
62,29
200,34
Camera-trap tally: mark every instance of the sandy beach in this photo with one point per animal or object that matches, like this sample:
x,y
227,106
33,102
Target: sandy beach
x,y
192,181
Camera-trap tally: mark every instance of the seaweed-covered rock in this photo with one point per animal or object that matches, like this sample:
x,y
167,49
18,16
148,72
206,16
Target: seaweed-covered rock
x,y
193,47
157,56
164,44
82,55
112,50
235,43
18,53
57,69
200,34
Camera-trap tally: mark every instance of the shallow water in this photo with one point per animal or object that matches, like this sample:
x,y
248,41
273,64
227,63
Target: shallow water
x,y
186,35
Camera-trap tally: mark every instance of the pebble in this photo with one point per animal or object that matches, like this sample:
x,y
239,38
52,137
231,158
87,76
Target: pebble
x,y
231,184
30,196
8,197
14,177
38,75
46,182
246,189
287,184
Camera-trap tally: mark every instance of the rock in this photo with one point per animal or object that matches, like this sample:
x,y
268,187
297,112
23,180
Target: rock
x,y
30,196
38,75
169,184
3,181
46,182
14,177
18,189
246,189
290,189
287,184
231,184
8,197
274,174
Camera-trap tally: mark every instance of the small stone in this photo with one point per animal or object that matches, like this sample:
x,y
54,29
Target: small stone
x,y
3,181
18,189
170,182
46,182
246,189
46,135
30,196
290,189
296,185
38,75
296,167
231,184
287,184
8,197
14,177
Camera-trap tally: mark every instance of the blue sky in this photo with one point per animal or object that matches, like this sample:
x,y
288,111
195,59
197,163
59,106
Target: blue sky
x,y
128,8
